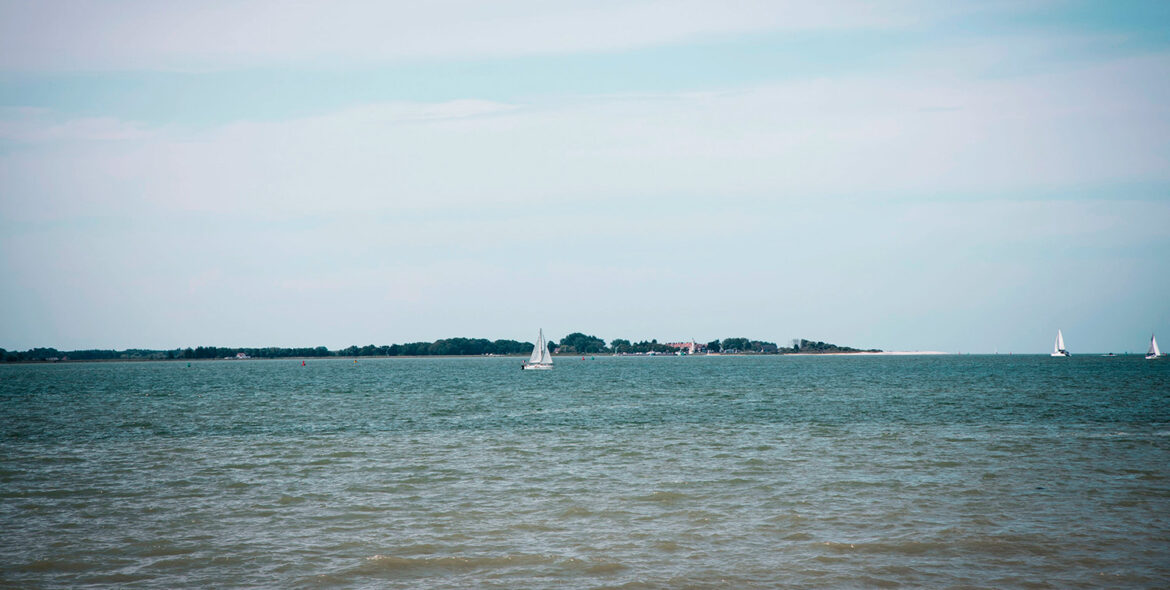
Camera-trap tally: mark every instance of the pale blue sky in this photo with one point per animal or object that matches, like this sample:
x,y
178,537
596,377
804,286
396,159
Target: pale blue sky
x,y
906,175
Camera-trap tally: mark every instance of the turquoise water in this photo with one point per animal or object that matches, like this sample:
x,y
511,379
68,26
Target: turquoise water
x,y
701,472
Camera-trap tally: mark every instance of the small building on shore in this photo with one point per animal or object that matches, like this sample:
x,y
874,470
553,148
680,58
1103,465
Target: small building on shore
x,y
691,347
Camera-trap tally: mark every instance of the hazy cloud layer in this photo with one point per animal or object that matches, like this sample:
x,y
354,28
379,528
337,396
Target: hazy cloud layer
x,y
858,137
185,35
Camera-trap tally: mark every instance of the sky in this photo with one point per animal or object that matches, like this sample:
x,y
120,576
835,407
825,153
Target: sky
x,y
905,175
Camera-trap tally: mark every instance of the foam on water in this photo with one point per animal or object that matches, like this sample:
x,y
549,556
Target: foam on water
x,y
614,473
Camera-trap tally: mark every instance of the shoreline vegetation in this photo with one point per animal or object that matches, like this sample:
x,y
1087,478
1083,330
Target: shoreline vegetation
x,y
573,344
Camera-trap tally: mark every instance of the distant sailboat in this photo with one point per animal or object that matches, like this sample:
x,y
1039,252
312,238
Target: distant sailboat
x,y
1153,352
1058,348
540,359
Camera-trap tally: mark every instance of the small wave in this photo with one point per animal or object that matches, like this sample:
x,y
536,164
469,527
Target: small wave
x,y
242,466
668,546
365,508
902,548
897,570
738,481
872,582
1011,545
830,559
160,549
58,459
535,527
56,565
114,579
575,512
396,565
54,493
597,568
177,564
944,464
661,497
420,549
787,518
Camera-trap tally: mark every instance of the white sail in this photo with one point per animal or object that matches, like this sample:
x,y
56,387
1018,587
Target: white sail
x,y
538,350
1058,346
540,358
545,355
1153,352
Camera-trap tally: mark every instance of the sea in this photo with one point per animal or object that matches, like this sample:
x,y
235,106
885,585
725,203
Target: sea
x,y
994,471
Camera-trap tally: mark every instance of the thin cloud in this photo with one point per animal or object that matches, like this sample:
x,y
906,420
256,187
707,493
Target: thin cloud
x,y
33,126
861,135
95,35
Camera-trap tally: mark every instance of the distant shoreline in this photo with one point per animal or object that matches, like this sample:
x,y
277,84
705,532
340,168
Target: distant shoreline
x,y
888,353
572,344
474,356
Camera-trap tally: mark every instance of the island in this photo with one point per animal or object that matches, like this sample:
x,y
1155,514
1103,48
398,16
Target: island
x,y
576,343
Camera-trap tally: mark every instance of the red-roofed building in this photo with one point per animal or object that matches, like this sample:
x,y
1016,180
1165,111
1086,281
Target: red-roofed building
x,y
691,347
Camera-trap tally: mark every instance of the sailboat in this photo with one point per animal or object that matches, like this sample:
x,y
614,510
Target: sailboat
x,y
1154,352
540,359
1058,348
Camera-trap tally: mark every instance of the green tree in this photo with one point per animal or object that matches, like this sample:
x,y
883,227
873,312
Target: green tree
x,y
579,343
737,344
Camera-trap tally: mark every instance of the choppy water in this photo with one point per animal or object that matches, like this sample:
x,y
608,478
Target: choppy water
x,y
729,472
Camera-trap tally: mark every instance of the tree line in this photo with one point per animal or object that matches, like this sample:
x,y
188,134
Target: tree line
x,y
442,347
575,343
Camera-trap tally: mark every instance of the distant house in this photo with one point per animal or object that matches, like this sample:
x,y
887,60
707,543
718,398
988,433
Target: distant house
x,y
691,347
241,356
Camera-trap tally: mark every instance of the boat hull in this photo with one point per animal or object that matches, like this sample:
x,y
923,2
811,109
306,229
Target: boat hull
x,y
536,367
1061,353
